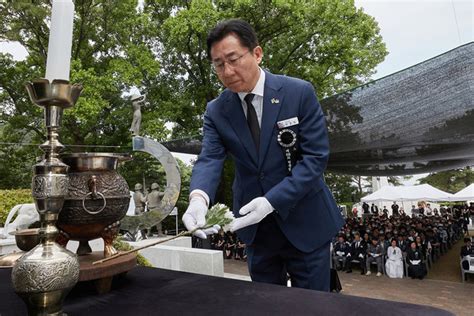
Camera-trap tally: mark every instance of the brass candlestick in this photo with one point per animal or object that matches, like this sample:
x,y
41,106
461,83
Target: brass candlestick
x,y
45,275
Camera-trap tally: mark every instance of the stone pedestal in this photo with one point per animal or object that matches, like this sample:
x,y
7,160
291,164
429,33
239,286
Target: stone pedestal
x,y
178,255
201,261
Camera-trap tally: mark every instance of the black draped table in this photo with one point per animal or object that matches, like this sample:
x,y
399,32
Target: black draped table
x,y
149,291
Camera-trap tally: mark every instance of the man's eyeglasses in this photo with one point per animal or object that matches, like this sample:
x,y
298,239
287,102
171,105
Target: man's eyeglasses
x,y
233,62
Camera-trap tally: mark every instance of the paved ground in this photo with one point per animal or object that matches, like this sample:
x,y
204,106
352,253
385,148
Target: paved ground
x,y
451,295
448,268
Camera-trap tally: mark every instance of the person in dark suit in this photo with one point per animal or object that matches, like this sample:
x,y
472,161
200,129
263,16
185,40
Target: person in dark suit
x,y
240,250
374,254
415,261
365,207
341,249
274,129
395,208
374,209
466,250
357,253
384,243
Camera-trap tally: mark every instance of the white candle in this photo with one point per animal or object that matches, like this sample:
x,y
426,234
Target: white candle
x,y
60,40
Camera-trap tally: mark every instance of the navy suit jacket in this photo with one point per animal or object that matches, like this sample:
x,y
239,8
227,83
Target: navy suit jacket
x,y
305,209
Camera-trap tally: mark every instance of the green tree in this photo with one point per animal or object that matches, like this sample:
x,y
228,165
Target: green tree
x,y
342,187
110,54
160,47
330,43
450,181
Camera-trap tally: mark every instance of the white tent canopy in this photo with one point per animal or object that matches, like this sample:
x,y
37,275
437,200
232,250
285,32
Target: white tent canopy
x,y
424,192
466,194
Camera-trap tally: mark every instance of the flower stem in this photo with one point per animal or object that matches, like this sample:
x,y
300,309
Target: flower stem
x,y
120,254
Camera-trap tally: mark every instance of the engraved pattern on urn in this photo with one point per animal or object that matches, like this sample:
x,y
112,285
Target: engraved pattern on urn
x,y
49,186
39,277
111,184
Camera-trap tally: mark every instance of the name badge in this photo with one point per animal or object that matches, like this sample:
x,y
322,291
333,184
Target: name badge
x,y
288,122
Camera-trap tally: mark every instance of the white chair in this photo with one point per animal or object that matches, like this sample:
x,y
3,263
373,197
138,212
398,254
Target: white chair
x,y
471,265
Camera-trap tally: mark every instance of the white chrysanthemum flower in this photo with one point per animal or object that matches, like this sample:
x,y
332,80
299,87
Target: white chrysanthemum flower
x,y
219,214
229,215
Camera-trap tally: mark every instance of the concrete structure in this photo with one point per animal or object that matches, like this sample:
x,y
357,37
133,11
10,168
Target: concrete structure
x,y
8,246
194,260
180,256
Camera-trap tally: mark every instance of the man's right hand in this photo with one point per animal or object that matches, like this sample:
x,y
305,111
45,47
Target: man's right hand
x,y
195,217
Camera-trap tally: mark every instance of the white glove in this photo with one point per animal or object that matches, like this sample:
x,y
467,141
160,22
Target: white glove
x,y
254,212
195,217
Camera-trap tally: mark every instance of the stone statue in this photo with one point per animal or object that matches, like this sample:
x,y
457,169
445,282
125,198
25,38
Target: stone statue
x,y
137,101
27,215
154,204
140,199
133,224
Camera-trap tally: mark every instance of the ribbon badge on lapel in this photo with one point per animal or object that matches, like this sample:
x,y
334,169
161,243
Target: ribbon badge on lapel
x,y
287,140
274,101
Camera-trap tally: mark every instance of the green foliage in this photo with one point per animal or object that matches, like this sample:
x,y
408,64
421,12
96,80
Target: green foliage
x,y
16,162
219,214
330,43
450,181
10,198
145,167
160,47
342,187
224,190
120,245
109,55
397,180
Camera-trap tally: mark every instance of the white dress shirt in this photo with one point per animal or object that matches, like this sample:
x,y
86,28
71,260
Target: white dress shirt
x,y
257,100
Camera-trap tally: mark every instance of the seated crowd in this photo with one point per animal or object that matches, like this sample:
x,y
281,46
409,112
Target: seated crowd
x,y
230,244
398,245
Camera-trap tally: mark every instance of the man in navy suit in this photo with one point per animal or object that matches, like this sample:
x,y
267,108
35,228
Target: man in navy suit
x,y
274,130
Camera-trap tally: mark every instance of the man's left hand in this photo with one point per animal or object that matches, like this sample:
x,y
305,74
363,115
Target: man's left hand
x,y
254,212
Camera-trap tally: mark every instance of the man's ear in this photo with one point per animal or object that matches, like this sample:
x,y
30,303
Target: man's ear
x,y
258,53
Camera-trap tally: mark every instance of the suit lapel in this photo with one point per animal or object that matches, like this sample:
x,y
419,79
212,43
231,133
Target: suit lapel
x,y
272,103
236,117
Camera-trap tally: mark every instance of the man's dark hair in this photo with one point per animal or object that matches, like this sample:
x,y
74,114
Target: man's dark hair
x,y
244,32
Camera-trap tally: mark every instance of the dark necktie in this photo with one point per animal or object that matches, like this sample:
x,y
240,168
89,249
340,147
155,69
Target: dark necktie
x,y
252,120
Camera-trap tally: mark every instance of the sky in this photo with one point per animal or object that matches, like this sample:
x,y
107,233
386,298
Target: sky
x,y
416,30
413,31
